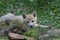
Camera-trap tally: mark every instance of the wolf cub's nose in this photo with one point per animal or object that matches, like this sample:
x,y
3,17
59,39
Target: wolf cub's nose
x,y
31,26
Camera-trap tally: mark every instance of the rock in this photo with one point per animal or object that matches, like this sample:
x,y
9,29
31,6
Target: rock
x,y
44,37
25,29
54,32
14,36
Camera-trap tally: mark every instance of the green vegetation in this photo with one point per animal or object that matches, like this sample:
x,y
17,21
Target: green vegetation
x,y
48,11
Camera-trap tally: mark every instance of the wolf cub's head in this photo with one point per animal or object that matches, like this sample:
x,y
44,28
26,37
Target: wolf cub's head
x,y
30,19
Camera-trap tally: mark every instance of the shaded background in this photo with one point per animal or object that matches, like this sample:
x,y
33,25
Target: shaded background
x,y
48,11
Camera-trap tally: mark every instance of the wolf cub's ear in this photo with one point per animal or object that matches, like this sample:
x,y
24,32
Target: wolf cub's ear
x,y
34,13
24,15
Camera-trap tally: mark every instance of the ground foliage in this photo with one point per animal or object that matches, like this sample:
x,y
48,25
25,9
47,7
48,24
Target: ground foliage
x,y
48,11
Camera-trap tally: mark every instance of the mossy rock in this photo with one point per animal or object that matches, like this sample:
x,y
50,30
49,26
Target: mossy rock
x,y
22,27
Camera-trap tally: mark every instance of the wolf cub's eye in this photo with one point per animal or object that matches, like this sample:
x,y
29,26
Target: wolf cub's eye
x,y
32,20
27,21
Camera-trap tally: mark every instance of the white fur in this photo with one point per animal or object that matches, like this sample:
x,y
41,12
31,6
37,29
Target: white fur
x,y
19,17
43,26
11,17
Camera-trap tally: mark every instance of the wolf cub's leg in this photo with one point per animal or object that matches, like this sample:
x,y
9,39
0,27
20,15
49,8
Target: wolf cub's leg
x,y
43,26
